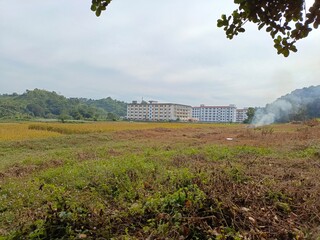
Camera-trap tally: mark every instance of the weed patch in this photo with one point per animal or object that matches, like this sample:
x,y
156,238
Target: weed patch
x,y
161,181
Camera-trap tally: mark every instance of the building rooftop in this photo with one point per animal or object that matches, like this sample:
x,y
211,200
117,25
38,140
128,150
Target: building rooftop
x,y
203,106
156,103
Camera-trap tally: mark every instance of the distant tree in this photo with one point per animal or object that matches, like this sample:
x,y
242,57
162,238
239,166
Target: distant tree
x,y
313,109
63,117
76,114
42,103
300,115
250,113
7,110
36,109
287,21
112,117
110,105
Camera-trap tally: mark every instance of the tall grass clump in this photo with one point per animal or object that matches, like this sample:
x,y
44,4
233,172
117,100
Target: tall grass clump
x,y
20,131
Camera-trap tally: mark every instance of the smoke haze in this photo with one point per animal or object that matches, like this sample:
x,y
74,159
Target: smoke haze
x,y
297,105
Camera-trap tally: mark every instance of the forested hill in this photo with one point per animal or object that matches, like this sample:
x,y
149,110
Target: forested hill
x,y
44,104
299,105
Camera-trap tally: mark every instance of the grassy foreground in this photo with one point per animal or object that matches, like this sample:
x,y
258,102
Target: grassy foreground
x,y
159,181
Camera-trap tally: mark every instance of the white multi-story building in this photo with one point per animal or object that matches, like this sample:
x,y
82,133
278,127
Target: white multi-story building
x,y
215,113
154,111
242,115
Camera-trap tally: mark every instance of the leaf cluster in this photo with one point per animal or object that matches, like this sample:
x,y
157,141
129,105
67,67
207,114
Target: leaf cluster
x,y
285,20
98,6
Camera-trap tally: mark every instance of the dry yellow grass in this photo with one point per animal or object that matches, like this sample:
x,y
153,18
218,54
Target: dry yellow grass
x,y
111,126
20,131
36,130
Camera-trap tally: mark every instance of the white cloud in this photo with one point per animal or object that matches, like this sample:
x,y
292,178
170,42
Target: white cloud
x,y
165,50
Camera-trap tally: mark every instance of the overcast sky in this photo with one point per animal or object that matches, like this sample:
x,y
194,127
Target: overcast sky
x,y
169,50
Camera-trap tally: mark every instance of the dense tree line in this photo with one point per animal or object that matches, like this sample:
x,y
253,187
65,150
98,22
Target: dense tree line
x,y
305,104
44,104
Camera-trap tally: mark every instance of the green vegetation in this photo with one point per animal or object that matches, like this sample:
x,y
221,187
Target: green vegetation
x,y
175,183
298,106
250,114
43,104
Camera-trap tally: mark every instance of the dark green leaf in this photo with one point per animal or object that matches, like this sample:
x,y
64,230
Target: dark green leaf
x,y
220,23
98,12
93,7
286,52
261,26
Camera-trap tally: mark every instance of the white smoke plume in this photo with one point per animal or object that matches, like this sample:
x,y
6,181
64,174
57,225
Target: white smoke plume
x,y
271,113
283,108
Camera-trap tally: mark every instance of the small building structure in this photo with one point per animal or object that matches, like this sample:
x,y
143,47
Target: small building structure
x,y
219,114
154,111
242,115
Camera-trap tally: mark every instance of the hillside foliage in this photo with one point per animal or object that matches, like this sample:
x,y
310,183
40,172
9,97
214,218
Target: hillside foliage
x,y
44,104
299,105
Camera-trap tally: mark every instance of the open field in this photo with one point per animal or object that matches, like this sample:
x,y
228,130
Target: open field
x,y
27,131
159,181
